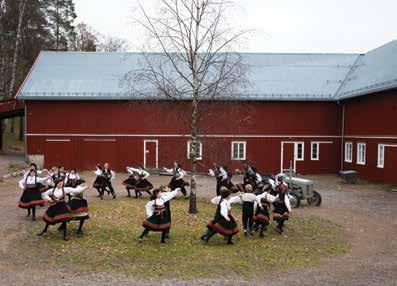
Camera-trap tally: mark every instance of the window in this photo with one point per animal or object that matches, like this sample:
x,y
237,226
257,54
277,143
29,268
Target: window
x,y
199,147
315,154
299,151
381,156
238,150
349,152
361,153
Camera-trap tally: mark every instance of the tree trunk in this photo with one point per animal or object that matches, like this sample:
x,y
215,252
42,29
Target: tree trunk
x,y
192,198
3,93
21,128
2,129
22,6
57,28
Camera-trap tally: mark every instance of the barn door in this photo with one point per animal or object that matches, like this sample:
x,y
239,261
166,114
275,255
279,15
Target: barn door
x,y
287,156
150,156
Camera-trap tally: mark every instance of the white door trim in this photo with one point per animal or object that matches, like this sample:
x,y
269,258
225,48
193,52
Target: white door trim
x,y
157,152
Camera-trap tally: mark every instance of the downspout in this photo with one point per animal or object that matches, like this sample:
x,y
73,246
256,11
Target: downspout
x,y
342,143
26,137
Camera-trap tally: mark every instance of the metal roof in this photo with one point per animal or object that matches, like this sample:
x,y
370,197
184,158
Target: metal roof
x,y
100,76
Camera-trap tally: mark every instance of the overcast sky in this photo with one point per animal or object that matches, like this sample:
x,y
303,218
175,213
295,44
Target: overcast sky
x,y
341,26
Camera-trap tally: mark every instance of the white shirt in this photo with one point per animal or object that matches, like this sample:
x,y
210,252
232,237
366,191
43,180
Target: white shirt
x,y
179,174
31,180
70,176
58,193
139,171
98,172
26,173
272,199
222,174
226,205
165,197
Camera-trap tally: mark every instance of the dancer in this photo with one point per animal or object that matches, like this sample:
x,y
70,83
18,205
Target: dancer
x,y
106,182
78,206
157,218
73,179
142,184
177,178
130,182
261,217
221,176
282,209
248,199
99,181
58,212
223,222
31,196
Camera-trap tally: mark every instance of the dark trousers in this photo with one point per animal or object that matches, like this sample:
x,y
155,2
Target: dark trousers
x,y
248,214
107,184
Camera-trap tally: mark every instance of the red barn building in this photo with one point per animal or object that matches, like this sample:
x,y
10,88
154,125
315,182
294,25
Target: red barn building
x,y
323,112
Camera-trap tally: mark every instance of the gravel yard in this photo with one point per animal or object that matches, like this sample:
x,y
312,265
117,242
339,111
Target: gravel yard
x,y
367,212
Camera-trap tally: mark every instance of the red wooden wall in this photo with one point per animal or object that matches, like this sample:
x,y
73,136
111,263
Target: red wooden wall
x,y
372,119
114,131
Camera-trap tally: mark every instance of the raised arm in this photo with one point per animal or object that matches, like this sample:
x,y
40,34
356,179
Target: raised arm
x,y
149,208
98,172
168,170
21,183
42,180
145,174
216,200
170,195
235,200
112,175
46,195
287,203
75,191
225,210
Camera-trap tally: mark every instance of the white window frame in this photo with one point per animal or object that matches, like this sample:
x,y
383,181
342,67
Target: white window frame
x,y
200,145
318,151
239,158
302,158
348,145
361,161
381,156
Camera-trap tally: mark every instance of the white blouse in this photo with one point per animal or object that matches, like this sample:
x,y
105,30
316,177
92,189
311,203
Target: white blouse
x,y
31,180
58,193
139,171
180,174
70,176
165,197
98,172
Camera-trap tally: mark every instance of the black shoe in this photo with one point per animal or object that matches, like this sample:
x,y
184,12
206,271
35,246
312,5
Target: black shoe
x,y
279,230
230,242
41,233
79,232
28,215
33,218
261,235
114,197
101,196
245,233
203,237
163,241
65,238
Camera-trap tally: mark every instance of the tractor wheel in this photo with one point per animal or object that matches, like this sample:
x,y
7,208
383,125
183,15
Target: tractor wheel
x,y
315,200
294,200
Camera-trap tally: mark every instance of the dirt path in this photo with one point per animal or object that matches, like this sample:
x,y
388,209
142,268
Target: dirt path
x,y
367,212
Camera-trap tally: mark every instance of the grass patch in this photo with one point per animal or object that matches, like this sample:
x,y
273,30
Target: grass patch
x,y
110,244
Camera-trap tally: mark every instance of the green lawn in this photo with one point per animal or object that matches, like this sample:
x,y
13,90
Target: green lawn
x,y
110,244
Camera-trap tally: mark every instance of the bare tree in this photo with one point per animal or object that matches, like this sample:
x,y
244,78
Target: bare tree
x,y
85,38
22,6
3,10
196,61
113,44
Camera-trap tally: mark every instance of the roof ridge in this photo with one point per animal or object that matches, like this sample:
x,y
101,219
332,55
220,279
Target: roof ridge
x,y
347,76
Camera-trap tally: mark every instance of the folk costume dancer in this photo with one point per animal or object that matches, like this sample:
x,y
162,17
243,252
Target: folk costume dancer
x,y
99,180
248,204
78,206
262,214
221,177
130,182
157,218
31,196
142,184
177,178
108,176
223,222
73,179
58,212
281,209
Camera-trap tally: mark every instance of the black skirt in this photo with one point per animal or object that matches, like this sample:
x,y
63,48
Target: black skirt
x,y
100,182
176,183
130,182
31,197
79,208
221,225
144,184
57,213
280,211
261,216
157,222
74,183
